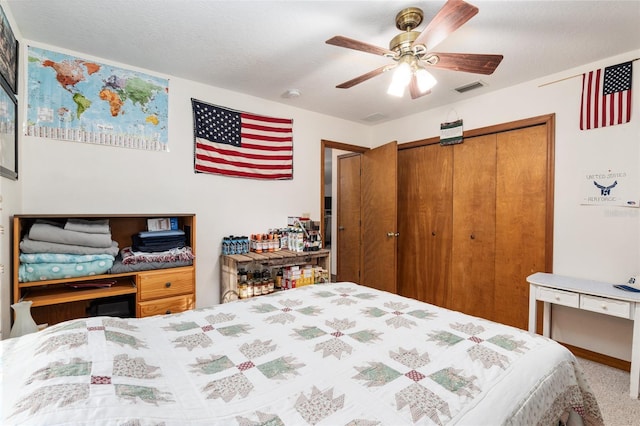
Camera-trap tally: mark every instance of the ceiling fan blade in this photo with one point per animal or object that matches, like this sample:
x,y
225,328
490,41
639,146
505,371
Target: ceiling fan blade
x,y
467,62
350,43
363,77
451,17
414,90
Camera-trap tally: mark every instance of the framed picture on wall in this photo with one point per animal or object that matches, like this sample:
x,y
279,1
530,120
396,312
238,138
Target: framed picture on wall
x,y
8,54
8,133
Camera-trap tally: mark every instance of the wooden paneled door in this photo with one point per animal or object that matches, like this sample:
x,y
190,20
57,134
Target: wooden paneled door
x,y
472,288
379,217
424,222
521,215
348,218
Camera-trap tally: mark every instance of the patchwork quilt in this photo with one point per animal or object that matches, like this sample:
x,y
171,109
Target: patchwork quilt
x,y
332,354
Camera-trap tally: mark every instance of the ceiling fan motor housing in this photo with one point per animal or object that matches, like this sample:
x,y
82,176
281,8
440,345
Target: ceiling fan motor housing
x,y
409,18
403,41
406,20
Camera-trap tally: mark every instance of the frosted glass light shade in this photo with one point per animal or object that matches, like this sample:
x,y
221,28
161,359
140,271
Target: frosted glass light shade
x,y
400,79
425,80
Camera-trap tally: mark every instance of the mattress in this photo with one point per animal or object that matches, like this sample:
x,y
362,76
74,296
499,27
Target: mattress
x,y
330,354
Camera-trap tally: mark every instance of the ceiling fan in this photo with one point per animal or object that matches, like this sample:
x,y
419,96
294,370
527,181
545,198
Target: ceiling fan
x,y
411,50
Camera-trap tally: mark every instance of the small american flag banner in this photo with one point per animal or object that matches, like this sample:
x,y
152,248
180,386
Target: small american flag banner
x,y
606,97
236,143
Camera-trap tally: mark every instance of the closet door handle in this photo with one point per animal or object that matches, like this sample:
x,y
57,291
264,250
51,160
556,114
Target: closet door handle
x,y
340,228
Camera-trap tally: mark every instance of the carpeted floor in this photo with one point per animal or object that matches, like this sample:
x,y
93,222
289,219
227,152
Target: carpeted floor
x,y
611,387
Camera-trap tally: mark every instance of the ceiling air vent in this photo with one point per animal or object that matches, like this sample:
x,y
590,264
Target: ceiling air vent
x,y
470,86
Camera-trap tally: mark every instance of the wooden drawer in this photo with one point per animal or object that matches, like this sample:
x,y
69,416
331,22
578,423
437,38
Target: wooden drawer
x,y
617,308
559,297
169,305
165,283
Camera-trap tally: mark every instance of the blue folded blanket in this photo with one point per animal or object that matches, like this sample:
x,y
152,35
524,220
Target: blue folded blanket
x,y
62,257
28,272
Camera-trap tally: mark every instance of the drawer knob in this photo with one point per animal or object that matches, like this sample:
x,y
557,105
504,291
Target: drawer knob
x,y
167,285
604,307
557,297
168,311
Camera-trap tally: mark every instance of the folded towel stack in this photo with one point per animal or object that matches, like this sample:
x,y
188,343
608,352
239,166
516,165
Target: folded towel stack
x,y
75,248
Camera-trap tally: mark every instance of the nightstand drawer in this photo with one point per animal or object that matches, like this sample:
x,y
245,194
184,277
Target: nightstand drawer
x,y
603,305
559,297
169,305
165,283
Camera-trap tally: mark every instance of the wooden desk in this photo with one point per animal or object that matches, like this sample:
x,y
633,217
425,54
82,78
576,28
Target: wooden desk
x,y
587,295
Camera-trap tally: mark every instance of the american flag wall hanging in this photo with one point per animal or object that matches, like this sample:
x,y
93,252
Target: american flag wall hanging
x,y
241,144
606,97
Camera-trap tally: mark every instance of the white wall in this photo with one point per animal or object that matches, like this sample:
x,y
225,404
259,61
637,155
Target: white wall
x,y
592,242
60,177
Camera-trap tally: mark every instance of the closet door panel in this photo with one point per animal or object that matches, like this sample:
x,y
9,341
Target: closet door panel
x,y
424,222
521,181
474,207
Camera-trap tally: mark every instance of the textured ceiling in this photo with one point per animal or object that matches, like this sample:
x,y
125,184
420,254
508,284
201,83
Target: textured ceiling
x,y
264,48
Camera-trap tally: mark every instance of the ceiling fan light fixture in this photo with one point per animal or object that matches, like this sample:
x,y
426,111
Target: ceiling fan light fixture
x,y
396,89
401,78
425,80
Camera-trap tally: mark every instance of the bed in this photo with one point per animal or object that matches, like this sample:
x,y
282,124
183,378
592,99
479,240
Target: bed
x,y
330,354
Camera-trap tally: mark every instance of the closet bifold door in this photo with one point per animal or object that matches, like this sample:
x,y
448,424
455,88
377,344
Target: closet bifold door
x,y
521,206
424,222
472,289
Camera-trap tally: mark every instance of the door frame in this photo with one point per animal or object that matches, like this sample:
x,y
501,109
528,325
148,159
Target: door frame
x,y
325,143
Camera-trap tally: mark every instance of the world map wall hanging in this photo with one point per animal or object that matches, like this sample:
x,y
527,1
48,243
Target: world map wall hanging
x,y
80,100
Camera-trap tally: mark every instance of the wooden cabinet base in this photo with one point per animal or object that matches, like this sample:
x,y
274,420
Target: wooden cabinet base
x,y
168,305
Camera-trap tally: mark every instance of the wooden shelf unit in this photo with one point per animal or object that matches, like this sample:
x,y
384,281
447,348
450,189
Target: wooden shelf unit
x,y
281,258
154,291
